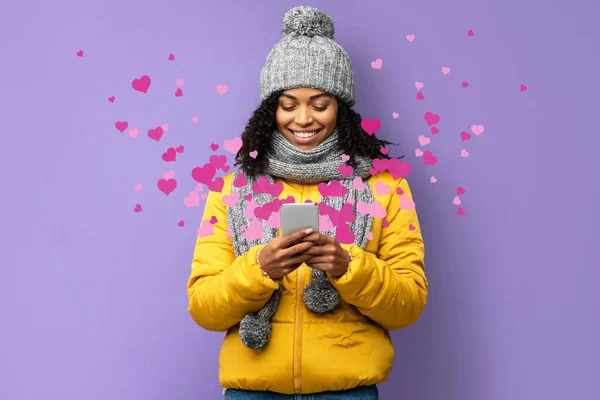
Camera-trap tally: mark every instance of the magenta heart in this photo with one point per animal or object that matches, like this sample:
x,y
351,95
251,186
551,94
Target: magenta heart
x,y
411,227
429,158
399,191
121,125
167,186
370,125
470,32
420,96
344,235
171,57
137,208
431,118
218,161
179,92
216,185
213,220
465,84
333,189
345,170
181,223
385,223
383,150
179,149
399,169
523,88
142,84
263,212
80,53
465,136
248,197
169,155
111,99
204,174
155,134
240,181
225,168
263,186
460,190
347,213
434,130
461,211
214,146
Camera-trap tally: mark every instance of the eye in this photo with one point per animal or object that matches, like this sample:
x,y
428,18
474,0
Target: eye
x,y
316,108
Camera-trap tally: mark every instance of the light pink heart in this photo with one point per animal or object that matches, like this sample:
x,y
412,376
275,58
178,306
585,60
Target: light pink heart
x,y
410,37
253,154
179,82
165,127
222,89
382,188
138,187
345,157
233,145
358,184
255,231
433,179
133,132
464,153
195,120
193,200
419,85
395,115
370,236
377,63
274,220
377,211
203,196
325,224
424,141
445,70
230,200
456,201
418,152
169,175
206,229
477,129
406,203
199,187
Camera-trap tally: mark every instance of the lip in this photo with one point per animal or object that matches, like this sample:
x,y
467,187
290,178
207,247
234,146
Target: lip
x,y
300,140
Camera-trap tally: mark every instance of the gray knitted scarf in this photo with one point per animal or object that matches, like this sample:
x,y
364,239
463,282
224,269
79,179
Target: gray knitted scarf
x,y
305,167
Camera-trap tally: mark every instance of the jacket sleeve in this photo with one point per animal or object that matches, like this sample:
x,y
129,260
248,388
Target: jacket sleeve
x,y
222,289
389,287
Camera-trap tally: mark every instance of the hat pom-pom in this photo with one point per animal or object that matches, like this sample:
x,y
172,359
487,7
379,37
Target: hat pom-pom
x,y
307,21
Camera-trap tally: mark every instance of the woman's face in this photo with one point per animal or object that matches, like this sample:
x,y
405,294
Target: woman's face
x,y
306,110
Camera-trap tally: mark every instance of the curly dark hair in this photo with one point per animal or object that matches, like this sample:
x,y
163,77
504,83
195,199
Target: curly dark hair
x,y
353,140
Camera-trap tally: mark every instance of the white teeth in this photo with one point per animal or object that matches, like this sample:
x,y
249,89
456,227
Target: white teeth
x,y
304,135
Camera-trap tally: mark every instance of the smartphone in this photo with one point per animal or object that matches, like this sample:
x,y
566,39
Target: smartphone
x,y
296,216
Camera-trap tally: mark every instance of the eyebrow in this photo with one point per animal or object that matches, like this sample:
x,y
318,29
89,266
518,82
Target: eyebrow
x,y
316,96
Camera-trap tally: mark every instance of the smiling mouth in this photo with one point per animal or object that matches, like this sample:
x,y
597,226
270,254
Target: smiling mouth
x,y
303,135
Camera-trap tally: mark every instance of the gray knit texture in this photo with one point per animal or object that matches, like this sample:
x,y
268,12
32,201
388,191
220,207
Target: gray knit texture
x,y
306,167
307,56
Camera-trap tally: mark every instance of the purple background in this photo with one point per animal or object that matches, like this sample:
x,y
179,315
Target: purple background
x,y
93,295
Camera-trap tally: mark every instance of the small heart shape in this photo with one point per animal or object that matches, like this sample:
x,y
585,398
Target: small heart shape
x,y
420,96
410,37
171,57
470,32
214,146
195,120
418,152
133,132
179,149
345,157
111,99
523,88
424,141
384,150
222,89
465,136
433,179
419,85
445,70
460,190
253,154
138,208
138,187
213,220
456,201
377,63
477,129
411,227
181,223
465,84
461,211
178,92
434,130
179,81
464,153
80,53
395,115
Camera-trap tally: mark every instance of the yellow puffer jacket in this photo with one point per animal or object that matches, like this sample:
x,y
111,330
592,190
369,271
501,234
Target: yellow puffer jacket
x,y
384,289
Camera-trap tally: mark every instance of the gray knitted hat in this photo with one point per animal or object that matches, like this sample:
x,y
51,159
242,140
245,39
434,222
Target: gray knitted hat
x,y
307,56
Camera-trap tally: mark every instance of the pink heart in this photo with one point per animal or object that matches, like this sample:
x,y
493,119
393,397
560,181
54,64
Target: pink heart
x,y
460,190
344,235
233,145
364,208
418,152
406,203
133,132
332,189
461,211
155,134
80,53
167,186
255,231
399,191
464,153
411,227
228,232
429,158
345,157
434,130
370,236
385,223
138,187
523,88
370,125
350,200
465,84
433,179
219,161
456,201
253,154
204,196
465,136
199,187
395,115
377,211
181,223
169,155
138,208
424,141
142,84
169,175
477,129
383,150
325,224
470,32
377,63
165,126
179,92
195,120
206,229
445,70
111,99
216,185
204,174
382,189
222,89
358,184
230,200
419,85
179,82
410,37
193,200
420,96
345,170
248,197
171,57
213,220
121,125
274,220
214,146
240,180
179,149
431,118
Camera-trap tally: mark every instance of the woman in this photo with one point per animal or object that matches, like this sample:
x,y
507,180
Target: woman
x,y
310,320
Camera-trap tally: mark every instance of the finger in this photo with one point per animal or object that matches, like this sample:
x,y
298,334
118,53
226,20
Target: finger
x,y
297,248
291,261
327,259
298,235
319,238
322,266
321,250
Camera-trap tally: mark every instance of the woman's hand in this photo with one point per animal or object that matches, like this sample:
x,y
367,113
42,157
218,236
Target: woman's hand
x,y
278,258
327,254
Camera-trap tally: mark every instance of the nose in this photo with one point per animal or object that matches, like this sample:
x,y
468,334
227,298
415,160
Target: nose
x,y
303,116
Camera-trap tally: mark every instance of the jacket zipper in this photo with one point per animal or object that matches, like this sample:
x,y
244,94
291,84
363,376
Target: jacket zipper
x,y
298,324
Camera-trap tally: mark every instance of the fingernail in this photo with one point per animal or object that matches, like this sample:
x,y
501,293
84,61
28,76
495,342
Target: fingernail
x,y
309,230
